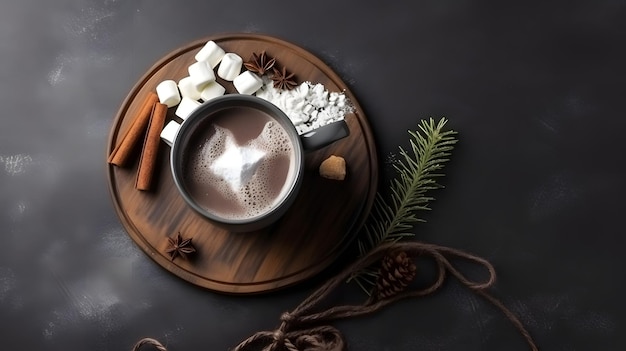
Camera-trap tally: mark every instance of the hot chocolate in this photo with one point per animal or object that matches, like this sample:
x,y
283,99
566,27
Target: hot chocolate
x,y
239,164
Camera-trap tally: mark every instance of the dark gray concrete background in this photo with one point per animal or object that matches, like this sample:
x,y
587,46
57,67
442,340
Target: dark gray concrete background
x,y
536,184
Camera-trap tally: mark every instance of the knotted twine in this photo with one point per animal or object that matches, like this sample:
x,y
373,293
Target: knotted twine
x,y
303,329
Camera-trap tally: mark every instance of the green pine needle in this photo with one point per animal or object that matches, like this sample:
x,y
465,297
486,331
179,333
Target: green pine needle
x,y
417,172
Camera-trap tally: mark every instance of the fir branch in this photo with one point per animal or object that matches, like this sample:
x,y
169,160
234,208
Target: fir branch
x,y
417,172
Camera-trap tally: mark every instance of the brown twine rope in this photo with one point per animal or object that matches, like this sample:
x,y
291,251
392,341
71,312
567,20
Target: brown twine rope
x,y
149,341
302,329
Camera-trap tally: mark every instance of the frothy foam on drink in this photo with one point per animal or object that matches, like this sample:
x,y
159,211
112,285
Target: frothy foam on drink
x,y
242,173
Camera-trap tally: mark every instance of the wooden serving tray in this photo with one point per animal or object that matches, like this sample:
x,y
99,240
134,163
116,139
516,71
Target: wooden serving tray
x,y
324,219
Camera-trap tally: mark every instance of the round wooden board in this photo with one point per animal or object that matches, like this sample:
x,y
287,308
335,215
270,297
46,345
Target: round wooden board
x,y
324,219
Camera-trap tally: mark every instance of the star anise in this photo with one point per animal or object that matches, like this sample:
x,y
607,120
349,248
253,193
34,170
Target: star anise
x,y
179,247
282,79
260,63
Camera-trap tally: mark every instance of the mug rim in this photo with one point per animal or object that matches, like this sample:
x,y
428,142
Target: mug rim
x,y
199,115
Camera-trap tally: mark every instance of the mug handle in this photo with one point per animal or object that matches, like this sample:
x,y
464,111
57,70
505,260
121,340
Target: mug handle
x,y
324,135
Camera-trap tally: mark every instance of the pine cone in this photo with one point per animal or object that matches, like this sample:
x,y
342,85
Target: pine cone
x,y
396,272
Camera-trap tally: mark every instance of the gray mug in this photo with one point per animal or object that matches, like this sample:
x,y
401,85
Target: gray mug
x,y
243,188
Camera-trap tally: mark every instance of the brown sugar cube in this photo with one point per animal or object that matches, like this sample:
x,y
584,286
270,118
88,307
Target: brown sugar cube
x,y
334,167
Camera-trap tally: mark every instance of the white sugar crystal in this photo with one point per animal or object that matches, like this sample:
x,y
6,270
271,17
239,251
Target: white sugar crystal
x,y
308,109
318,89
303,89
298,118
290,103
307,103
315,114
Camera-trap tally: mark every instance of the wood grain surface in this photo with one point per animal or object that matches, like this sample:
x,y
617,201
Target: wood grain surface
x,y
324,219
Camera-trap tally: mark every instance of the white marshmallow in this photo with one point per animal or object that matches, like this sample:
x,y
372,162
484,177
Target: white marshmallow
x,y
168,94
247,83
210,53
186,107
230,67
201,74
212,90
188,89
168,134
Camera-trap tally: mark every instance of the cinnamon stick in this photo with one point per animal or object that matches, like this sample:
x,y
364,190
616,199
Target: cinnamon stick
x,y
150,150
121,154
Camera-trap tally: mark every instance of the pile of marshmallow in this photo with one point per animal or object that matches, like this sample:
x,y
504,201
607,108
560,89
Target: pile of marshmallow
x,y
201,85
201,82
309,106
